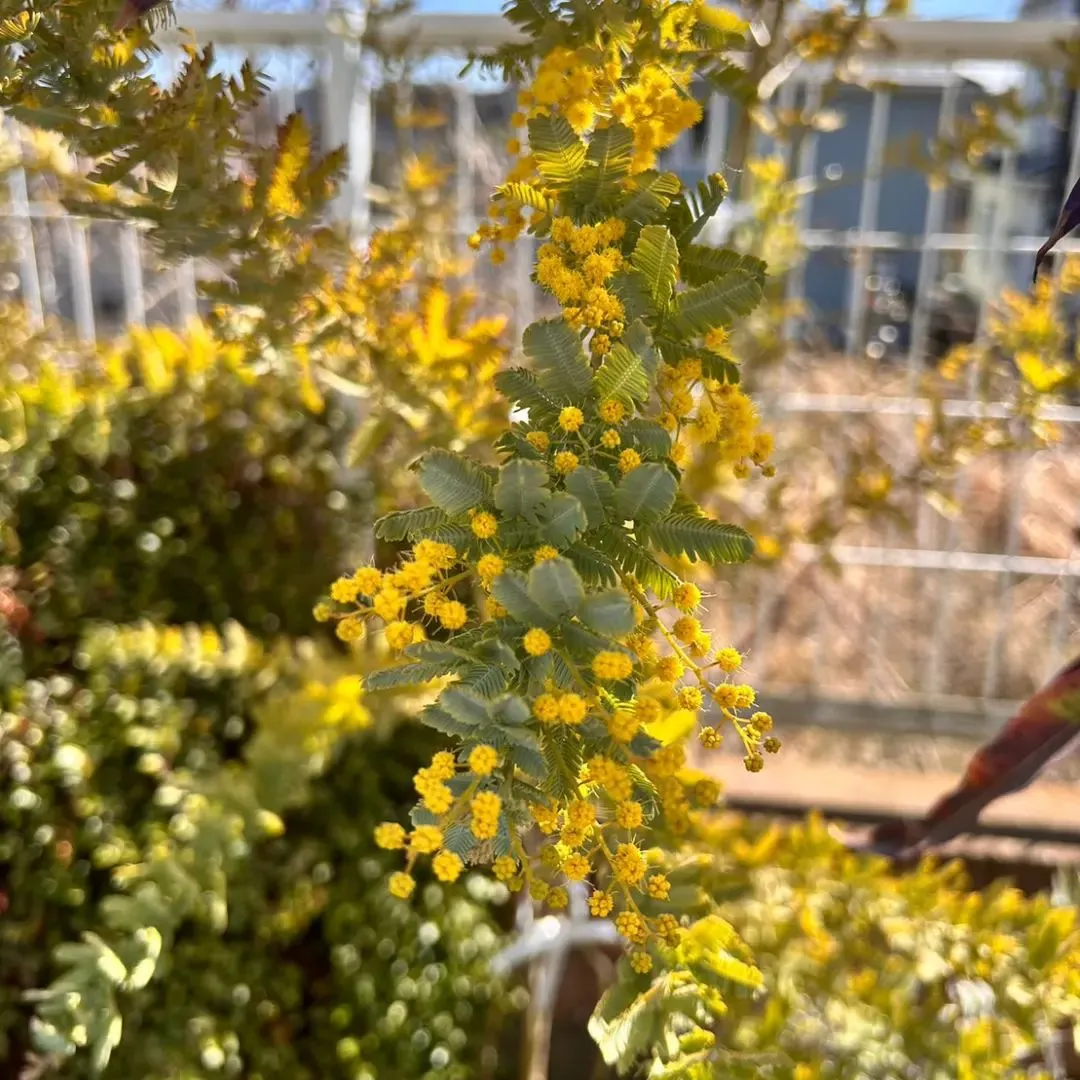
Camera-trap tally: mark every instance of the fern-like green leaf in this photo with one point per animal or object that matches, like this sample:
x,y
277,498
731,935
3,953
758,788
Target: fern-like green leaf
x,y
407,524
651,197
719,303
690,212
558,150
556,587
520,388
622,376
647,437
562,370
453,483
699,539
656,258
607,161
406,675
632,558
594,566
646,493
521,490
511,589
594,490
701,264
526,195
633,293
563,520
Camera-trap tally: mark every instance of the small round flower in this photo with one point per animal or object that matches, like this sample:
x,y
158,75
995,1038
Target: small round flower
x,y
546,818
504,867
571,418
389,835
344,590
441,556
686,629
368,580
572,837
669,669
629,460
610,439
612,411
729,660
438,799
546,708
350,629
453,615
689,697
539,889
754,763
628,864
761,721
447,866
641,962
558,898
772,745
489,567
322,612
399,634
426,839
744,697
433,603
485,525
443,765
687,596
632,927
629,815
566,461
706,792
537,642
402,885
610,666
710,738
601,904
545,552
623,725
539,440
658,886
486,808
581,814
483,759
572,708
576,868
667,927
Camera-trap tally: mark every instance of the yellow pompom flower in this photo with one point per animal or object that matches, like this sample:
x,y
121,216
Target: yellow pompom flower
x,y
612,411
576,868
546,818
441,556
629,460
710,738
628,864
486,808
350,629
572,709
632,927
546,708
687,597
729,660
389,835
545,552
489,567
581,814
447,866
571,418
623,725
761,721
443,766
438,799
537,642
558,898
484,525
629,815
368,580
344,590
566,461
504,867
601,904
389,603
402,885
641,962
539,440
610,439
689,697
426,839
453,615
483,760
658,886
686,629
399,634
611,666
669,669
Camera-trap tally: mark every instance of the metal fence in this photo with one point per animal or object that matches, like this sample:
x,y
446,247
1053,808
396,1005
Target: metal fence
x,y
953,613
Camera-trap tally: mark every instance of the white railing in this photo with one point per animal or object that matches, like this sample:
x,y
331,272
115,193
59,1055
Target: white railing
x,y
314,56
